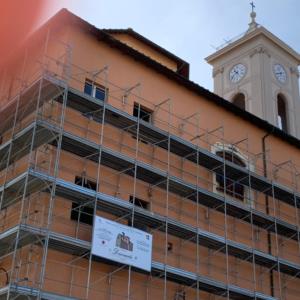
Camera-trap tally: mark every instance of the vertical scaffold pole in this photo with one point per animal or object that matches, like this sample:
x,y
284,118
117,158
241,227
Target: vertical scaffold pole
x,y
197,216
251,203
53,185
18,235
134,190
225,216
296,204
167,202
277,242
98,178
53,191
6,171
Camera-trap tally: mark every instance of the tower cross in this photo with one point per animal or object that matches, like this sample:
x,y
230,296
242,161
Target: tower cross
x,y
252,5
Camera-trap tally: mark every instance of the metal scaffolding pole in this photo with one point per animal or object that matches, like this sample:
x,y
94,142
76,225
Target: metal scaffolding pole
x,y
134,183
297,212
18,236
53,191
105,71
225,219
251,201
197,213
295,187
167,203
55,174
277,243
10,278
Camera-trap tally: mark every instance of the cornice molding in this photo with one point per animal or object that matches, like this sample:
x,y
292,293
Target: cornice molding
x,y
255,34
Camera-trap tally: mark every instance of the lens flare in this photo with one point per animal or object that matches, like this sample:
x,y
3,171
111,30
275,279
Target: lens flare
x,y
18,19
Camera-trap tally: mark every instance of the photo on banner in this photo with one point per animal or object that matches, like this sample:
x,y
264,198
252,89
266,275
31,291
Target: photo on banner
x,y
121,243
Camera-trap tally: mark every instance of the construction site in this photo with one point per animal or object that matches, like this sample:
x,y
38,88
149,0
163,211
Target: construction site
x,y
75,144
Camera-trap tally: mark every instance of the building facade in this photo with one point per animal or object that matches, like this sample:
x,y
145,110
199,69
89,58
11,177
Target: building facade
x,y
105,123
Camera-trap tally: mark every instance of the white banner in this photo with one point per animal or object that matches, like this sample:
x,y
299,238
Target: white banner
x,y
121,243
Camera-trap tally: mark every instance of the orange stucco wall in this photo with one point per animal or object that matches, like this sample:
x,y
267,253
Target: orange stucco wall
x,y
89,55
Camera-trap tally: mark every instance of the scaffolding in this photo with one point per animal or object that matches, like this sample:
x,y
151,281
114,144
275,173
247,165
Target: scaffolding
x,y
208,244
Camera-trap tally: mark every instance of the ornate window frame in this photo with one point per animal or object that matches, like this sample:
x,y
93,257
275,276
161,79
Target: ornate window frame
x,y
229,148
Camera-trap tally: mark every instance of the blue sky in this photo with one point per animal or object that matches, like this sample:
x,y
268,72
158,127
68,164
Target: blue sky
x,y
190,29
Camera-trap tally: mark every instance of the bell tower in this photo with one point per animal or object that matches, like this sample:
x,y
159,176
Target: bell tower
x,y
259,73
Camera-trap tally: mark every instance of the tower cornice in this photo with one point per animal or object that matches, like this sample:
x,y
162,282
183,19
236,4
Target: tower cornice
x,y
250,36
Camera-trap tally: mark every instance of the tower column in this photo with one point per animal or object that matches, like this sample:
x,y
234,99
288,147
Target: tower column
x,y
296,102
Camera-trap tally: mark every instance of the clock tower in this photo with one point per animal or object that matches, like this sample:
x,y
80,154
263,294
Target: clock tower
x,y
259,73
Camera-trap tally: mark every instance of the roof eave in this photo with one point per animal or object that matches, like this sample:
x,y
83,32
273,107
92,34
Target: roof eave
x,y
151,44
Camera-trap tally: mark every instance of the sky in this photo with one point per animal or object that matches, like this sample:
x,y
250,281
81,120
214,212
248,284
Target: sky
x,y
190,29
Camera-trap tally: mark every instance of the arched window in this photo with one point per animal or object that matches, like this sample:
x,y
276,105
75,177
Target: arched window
x,y
229,186
282,119
239,101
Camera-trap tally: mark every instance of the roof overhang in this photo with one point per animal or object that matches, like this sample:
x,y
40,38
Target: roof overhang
x,y
156,47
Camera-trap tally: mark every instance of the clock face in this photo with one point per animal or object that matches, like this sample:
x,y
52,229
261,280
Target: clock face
x,y
237,73
280,73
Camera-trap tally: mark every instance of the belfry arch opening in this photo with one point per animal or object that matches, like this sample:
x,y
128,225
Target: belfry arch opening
x,y
282,117
239,100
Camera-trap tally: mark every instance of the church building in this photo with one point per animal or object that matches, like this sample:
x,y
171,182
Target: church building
x,y
122,179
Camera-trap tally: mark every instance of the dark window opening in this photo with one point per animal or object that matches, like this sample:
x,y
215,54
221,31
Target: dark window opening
x,y
239,101
100,93
95,90
142,112
282,113
139,202
227,185
88,88
142,204
84,182
83,214
170,246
